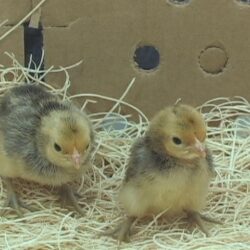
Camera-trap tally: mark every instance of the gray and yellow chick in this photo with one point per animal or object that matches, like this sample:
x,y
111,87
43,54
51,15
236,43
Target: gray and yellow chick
x,y
42,139
169,170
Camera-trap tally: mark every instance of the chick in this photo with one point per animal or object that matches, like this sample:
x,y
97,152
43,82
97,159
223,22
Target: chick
x,y
169,170
42,139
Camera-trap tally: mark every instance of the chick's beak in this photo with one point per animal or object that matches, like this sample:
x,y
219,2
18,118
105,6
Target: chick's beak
x,y
200,148
76,157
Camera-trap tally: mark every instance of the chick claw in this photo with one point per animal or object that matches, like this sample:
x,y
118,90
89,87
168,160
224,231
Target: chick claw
x,y
198,218
69,198
13,201
122,232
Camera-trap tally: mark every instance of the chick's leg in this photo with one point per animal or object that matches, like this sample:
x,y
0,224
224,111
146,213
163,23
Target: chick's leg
x,y
12,199
68,198
122,231
199,219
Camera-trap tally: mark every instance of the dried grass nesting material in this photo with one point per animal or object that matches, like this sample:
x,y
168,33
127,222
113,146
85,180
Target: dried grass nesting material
x,y
52,227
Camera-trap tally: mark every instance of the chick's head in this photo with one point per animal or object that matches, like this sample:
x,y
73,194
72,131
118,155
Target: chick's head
x,y
180,131
66,138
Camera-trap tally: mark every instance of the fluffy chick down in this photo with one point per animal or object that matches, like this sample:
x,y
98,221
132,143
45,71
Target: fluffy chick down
x,y
169,169
169,186
42,138
163,175
32,122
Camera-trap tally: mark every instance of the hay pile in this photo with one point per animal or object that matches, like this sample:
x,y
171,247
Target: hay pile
x,y
52,227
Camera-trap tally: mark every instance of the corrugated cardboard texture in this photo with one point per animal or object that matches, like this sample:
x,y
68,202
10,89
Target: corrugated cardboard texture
x,y
106,33
12,11
13,43
204,48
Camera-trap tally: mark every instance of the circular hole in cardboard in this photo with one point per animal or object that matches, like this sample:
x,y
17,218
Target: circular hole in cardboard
x,y
213,60
146,57
179,2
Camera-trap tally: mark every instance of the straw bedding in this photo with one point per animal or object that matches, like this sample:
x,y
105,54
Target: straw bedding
x,y
52,227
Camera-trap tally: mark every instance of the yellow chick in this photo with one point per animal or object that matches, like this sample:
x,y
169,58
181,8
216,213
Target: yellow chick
x,y
169,170
42,139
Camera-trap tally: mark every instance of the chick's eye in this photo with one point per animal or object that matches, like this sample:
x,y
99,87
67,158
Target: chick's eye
x,y
57,147
177,140
87,147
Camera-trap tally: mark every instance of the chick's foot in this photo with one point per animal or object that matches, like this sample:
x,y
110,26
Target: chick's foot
x,y
68,197
13,200
122,231
199,219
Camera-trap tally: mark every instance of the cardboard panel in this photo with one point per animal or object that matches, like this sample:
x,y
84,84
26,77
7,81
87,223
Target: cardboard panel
x,y
204,48
13,10
59,13
13,43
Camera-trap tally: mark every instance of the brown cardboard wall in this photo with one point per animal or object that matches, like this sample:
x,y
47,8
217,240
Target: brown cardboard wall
x,y
13,43
105,34
204,48
12,11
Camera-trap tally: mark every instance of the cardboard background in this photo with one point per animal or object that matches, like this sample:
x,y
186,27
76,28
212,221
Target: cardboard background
x,y
13,11
105,35
13,43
